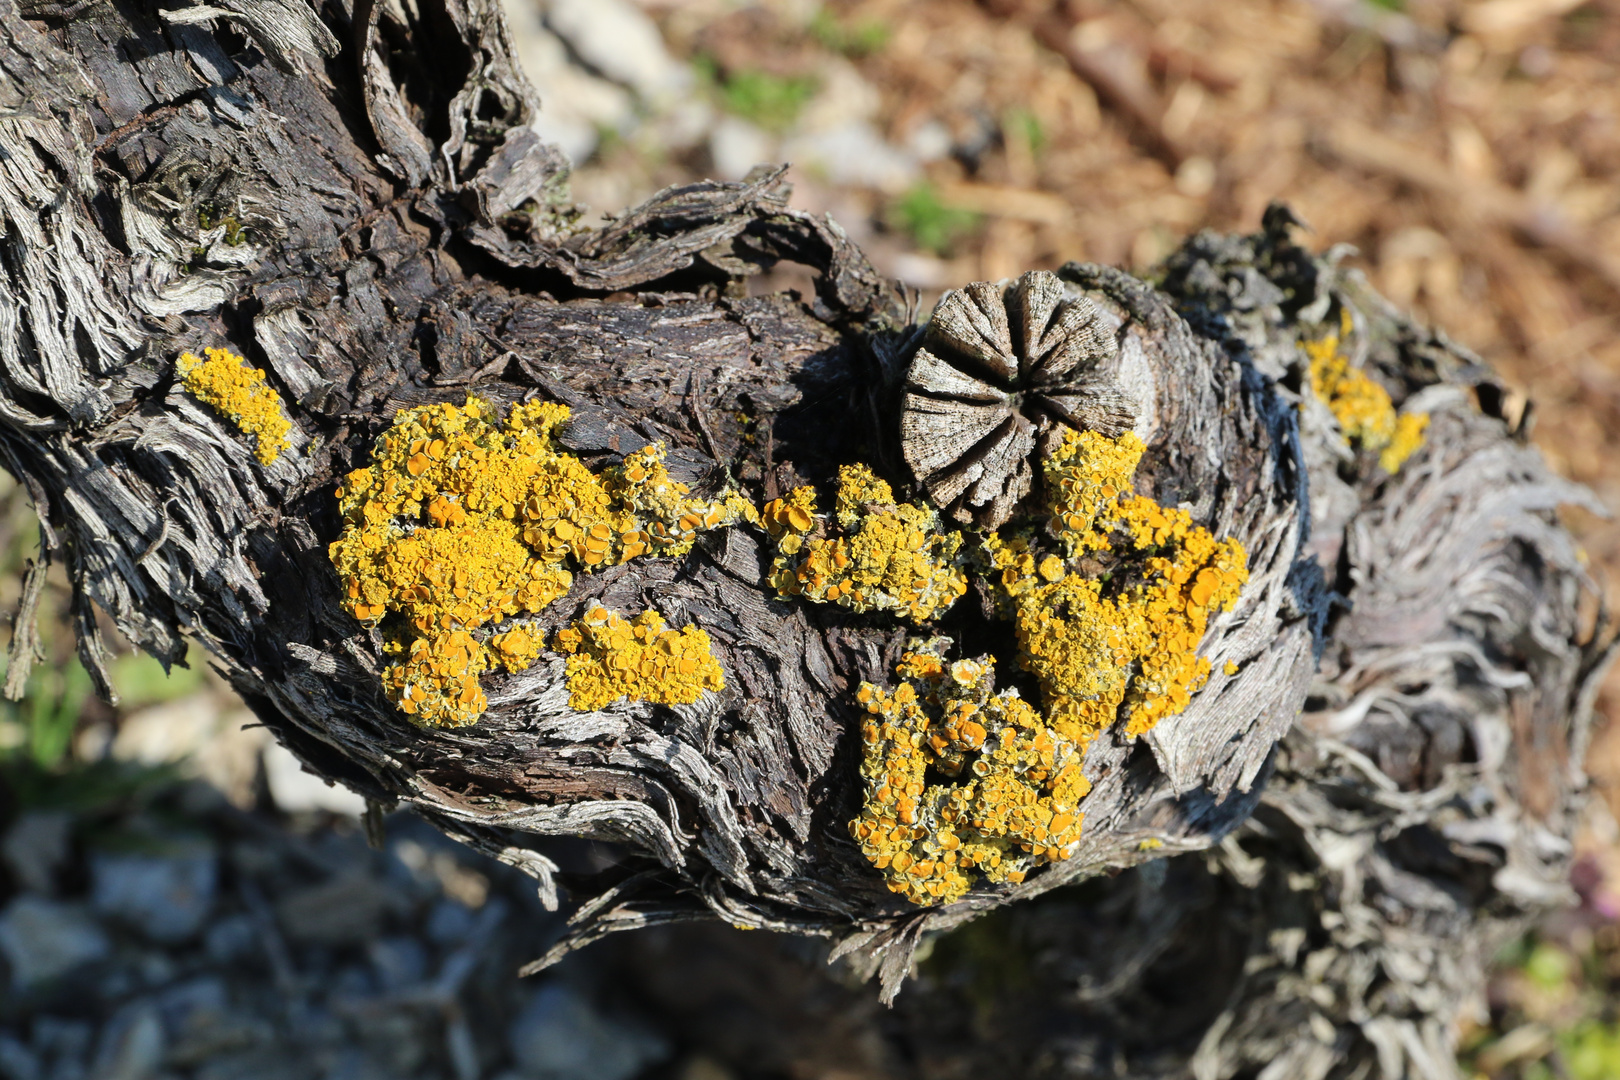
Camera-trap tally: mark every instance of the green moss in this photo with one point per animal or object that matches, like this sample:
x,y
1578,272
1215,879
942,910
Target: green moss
x,y
853,38
932,224
771,101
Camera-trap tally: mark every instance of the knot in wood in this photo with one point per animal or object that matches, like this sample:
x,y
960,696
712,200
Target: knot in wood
x,y
1002,369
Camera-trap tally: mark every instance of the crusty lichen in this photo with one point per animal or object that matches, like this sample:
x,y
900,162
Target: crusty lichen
x,y
461,522
1009,800
226,383
1365,412
1131,645
610,658
890,557
1101,646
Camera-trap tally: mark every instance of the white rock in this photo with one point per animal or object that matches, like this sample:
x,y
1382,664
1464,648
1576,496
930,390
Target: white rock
x,y
43,940
929,141
167,733
220,745
559,1036
298,792
853,155
844,97
736,146
574,104
619,40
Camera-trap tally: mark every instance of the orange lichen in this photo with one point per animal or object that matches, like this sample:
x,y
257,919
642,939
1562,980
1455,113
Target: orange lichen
x,y
1101,648
516,649
1134,645
227,384
1008,805
1365,412
889,558
460,522
611,658
1080,493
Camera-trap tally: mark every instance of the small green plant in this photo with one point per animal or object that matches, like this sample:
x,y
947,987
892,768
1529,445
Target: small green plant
x,y
1591,1050
771,101
1027,126
932,224
48,714
140,679
210,217
864,37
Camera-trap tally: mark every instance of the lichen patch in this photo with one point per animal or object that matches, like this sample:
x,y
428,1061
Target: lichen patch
x,y
1101,647
611,658
1366,414
1008,800
871,555
229,385
461,523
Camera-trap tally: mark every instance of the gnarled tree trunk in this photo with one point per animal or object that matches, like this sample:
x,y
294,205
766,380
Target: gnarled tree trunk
x,y
1380,773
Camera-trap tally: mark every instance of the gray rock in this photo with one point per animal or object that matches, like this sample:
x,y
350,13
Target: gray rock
x,y
35,846
132,1044
230,938
64,1043
201,1023
449,923
17,1061
265,1063
399,962
343,911
618,40
559,1036
44,940
166,897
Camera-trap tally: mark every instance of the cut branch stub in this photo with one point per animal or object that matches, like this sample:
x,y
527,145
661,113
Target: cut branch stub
x,y
1001,369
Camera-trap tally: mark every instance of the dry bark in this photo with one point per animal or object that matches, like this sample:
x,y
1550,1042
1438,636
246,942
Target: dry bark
x,y
402,236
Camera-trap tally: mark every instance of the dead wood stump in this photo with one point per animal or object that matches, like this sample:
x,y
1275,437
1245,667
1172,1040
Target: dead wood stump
x,y
353,200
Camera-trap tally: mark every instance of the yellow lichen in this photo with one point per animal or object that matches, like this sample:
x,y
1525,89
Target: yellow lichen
x,y
611,658
461,522
226,383
1408,438
1134,644
1009,800
1102,647
1364,410
1086,477
516,649
889,558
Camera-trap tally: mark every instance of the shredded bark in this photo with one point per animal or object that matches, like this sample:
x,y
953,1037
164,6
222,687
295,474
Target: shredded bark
x,y
358,205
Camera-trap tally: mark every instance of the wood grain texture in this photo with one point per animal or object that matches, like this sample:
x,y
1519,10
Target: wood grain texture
x,y
379,231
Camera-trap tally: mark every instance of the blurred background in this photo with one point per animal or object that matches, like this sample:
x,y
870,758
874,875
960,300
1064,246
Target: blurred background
x,y
178,899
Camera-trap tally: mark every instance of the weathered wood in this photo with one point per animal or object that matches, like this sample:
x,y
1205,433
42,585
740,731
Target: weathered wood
x,y
370,218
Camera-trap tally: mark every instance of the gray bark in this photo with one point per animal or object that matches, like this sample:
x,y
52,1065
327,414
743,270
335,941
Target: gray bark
x,y
1415,655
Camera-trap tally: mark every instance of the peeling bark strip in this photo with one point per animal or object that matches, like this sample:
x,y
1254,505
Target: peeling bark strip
x,y
371,220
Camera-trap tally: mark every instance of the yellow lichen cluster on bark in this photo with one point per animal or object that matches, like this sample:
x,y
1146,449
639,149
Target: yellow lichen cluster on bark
x,y
888,557
610,658
1101,648
460,522
1134,645
1009,803
226,383
1364,410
